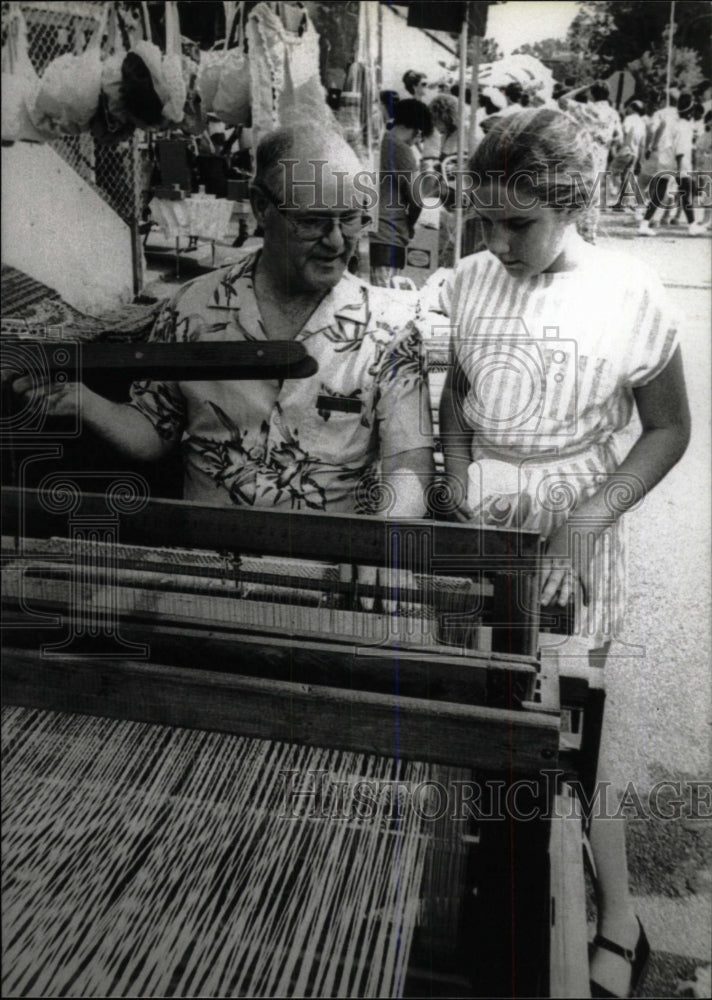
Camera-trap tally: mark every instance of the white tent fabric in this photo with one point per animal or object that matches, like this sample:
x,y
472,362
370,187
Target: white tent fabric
x,y
532,74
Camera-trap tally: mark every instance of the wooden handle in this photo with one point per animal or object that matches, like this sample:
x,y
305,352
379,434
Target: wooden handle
x,y
190,362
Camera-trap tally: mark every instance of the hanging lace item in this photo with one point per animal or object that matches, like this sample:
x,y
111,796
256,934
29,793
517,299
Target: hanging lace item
x,y
19,82
69,90
153,87
280,98
231,102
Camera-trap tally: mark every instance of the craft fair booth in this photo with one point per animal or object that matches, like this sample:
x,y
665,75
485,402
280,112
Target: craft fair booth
x,y
167,661
148,113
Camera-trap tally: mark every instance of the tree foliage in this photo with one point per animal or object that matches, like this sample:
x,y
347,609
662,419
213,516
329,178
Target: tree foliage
x,y
489,51
650,70
612,33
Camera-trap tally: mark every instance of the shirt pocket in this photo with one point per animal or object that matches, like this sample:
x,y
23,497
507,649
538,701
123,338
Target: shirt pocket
x,y
339,430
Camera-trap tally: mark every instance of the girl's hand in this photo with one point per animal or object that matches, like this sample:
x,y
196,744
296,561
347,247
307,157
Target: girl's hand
x,y
560,577
462,514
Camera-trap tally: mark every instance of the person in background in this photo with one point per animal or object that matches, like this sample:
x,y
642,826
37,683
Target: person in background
x,y
388,100
603,124
455,92
513,96
416,84
617,353
661,130
627,161
492,101
444,110
672,142
398,211
702,163
662,127
703,95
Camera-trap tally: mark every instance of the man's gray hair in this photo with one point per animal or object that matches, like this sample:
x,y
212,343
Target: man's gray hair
x,y
271,150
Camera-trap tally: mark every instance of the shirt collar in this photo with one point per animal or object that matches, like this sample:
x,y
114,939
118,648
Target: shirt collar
x,y
234,283
347,301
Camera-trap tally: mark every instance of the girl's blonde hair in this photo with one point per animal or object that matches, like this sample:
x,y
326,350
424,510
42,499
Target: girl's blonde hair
x,y
543,148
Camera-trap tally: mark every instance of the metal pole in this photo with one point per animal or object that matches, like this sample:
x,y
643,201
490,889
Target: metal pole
x,y
668,71
460,140
474,91
379,64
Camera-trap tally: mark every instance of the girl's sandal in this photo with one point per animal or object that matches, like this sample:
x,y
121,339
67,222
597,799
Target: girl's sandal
x,y
638,961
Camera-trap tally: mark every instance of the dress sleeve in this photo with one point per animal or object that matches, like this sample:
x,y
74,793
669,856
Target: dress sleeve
x,y
654,335
402,395
163,402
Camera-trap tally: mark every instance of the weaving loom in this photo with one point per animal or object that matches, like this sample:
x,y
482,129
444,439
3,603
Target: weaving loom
x,y
197,701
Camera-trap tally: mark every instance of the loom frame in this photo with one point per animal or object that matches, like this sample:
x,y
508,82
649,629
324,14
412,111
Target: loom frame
x,y
517,742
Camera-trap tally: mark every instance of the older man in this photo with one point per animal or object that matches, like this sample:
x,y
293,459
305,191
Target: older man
x,y
313,443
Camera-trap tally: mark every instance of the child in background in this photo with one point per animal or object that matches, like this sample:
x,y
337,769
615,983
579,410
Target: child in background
x,y
554,342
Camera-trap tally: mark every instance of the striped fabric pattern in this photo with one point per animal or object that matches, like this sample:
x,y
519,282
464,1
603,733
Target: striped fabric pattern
x,y
551,363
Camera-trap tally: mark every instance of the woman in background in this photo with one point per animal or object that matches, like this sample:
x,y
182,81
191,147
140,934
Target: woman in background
x,y
398,210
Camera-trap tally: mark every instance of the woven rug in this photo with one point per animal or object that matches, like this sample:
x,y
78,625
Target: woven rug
x,y
32,308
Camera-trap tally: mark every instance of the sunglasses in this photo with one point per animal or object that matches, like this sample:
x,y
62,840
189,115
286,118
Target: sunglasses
x,y
316,227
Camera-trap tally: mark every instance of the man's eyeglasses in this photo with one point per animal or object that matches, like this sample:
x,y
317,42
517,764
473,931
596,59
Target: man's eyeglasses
x,y
316,227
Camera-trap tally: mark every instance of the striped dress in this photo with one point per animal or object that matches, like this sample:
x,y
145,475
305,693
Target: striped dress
x,y
551,363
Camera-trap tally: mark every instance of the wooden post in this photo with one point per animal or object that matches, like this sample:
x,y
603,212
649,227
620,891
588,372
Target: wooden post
x,y
668,71
460,139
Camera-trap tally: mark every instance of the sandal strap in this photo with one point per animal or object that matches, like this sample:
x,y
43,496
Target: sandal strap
x,y
603,942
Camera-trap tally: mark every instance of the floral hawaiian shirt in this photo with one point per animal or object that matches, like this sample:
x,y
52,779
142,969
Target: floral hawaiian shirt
x,y
286,444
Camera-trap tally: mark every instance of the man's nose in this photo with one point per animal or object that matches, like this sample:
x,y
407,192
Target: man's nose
x,y
334,236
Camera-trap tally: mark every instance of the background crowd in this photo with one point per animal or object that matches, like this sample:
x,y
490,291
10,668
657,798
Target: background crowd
x,y
651,161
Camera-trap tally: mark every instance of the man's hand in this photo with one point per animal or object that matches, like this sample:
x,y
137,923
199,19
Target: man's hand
x,y
119,424
62,398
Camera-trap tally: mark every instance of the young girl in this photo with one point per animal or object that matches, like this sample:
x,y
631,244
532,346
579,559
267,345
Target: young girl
x,y
554,341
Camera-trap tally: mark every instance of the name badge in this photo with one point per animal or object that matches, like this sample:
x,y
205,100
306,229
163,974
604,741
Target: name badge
x,y
339,404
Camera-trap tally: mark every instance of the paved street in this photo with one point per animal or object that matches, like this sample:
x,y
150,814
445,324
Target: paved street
x,y
658,703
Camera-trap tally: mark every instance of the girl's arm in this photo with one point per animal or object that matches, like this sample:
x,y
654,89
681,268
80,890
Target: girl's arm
x,y
664,413
456,438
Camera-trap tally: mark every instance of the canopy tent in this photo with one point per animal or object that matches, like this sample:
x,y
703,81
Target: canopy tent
x,y
526,70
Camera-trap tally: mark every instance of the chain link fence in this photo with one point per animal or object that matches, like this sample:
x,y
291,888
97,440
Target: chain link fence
x,y
119,173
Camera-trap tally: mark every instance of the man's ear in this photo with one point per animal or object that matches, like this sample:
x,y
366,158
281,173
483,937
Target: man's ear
x,y
259,203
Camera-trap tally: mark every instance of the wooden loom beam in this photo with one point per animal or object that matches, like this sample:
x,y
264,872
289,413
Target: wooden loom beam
x,y
391,726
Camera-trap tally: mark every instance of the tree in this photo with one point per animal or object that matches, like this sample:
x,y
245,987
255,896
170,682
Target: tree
x,y
489,51
650,70
588,37
610,34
